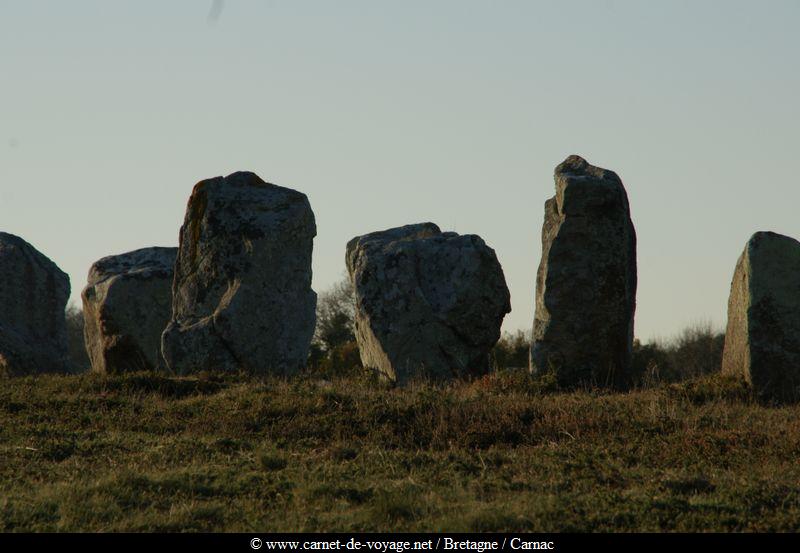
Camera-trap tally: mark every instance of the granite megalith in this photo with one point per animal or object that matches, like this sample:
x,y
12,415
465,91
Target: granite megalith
x,y
762,339
127,303
428,303
586,281
241,295
33,296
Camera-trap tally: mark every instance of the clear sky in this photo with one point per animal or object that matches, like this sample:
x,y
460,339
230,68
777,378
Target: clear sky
x,y
389,113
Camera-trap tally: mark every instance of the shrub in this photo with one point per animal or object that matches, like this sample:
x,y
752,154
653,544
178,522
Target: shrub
x,y
76,347
336,316
334,350
511,350
340,361
696,351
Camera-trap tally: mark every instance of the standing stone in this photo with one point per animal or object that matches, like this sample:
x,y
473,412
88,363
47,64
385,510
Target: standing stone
x,y
127,303
762,341
33,296
428,303
242,297
586,282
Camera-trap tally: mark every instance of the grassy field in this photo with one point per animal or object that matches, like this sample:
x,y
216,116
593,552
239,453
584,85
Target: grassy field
x,y
507,452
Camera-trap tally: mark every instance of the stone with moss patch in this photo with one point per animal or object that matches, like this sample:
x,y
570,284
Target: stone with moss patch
x,y
242,297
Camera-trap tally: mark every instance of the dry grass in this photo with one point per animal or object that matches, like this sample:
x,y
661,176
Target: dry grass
x,y
507,452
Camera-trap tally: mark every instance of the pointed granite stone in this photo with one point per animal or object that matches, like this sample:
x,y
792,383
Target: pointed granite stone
x,y
586,282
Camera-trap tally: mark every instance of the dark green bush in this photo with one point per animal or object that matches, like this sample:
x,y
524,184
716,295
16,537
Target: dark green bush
x,y
79,359
511,350
696,351
334,351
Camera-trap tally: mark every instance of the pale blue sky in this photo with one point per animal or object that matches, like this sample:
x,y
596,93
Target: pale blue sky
x,y
388,113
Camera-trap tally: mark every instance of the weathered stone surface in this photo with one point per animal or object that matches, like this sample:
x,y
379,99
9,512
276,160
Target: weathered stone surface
x,y
586,282
33,296
242,297
762,341
127,303
428,303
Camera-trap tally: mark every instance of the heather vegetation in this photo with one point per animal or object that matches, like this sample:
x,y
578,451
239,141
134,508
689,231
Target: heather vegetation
x,y
686,450
143,452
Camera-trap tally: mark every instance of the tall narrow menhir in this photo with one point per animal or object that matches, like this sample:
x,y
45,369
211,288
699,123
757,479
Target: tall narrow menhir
x,y
241,295
586,282
762,340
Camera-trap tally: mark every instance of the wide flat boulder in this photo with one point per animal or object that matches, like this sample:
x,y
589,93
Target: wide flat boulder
x,y
586,282
762,339
33,296
127,303
429,304
242,297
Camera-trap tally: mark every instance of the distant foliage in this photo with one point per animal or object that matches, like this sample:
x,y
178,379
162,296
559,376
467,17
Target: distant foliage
x,y
75,344
340,361
696,351
511,350
336,309
334,350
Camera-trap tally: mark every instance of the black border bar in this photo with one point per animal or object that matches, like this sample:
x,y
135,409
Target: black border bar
x,y
393,542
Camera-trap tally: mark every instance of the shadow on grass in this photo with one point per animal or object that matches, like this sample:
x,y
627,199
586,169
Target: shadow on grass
x,y
169,387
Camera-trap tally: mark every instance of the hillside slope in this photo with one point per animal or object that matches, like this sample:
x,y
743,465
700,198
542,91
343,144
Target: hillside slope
x,y
152,453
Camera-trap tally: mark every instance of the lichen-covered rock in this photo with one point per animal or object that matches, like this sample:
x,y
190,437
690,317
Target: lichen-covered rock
x,y
33,296
242,297
762,341
127,303
428,303
586,282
